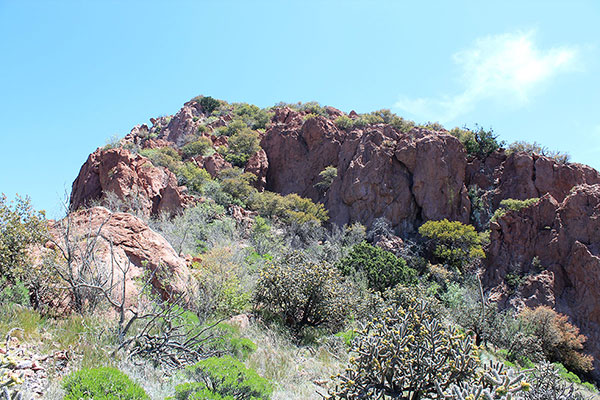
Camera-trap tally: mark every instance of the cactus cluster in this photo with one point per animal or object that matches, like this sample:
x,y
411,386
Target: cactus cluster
x,y
407,354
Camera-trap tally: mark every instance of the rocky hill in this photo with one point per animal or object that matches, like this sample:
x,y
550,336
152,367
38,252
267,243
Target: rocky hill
x,y
385,167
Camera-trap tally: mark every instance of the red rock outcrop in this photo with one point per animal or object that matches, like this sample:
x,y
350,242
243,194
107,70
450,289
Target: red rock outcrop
x,y
258,165
556,246
132,178
405,178
213,164
132,241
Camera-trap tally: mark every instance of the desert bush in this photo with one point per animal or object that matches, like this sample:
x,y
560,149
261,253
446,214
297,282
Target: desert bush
x,y
536,148
220,283
238,185
368,119
253,116
326,178
546,383
196,148
208,103
560,340
233,343
453,243
223,378
381,269
507,205
397,122
291,208
20,227
241,146
232,128
303,294
166,157
405,354
193,177
344,122
104,383
477,142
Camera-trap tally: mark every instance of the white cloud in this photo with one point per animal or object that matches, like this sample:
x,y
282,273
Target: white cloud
x,y
508,68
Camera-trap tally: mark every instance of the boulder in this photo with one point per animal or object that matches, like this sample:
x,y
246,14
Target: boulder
x,y
140,186
258,165
122,242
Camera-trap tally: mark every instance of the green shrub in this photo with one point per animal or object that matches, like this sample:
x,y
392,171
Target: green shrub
x,y
197,148
208,103
166,157
453,243
253,116
291,208
231,342
382,269
103,383
241,146
392,119
478,142
368,119
344,122
536,148
223,378
238,185
406,354
190,175
303,294
13,292
327,176
235,126
512,205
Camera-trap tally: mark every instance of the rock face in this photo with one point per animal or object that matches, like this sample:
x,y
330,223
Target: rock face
x,y
132,242
132,178
258,165
406,178
556,245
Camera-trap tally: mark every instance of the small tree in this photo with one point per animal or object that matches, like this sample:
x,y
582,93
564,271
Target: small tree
x,y
453,243
560,340
303,294
242,145
326,178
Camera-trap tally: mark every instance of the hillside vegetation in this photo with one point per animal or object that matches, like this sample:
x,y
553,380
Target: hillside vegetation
x,y
234,290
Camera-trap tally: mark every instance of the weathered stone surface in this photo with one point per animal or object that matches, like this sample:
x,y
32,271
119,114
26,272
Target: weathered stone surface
x,y
564,238
133,243
213,164
132,178
258,165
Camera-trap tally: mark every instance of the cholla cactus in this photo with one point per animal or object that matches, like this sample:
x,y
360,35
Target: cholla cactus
x,y
546,383
406,354
495,383
9,378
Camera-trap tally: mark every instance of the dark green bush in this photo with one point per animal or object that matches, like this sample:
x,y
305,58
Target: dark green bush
x,y
382,269
223,378
103,383
208,104
235,126
453,243
344,122
478,142
253,116
536,148
197,148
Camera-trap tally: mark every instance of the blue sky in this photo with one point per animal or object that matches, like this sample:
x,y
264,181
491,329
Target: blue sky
x,y
75,73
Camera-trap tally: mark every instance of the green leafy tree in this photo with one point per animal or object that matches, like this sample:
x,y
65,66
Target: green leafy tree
x,y
478,142
453,243
382,269
208,104
20,227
